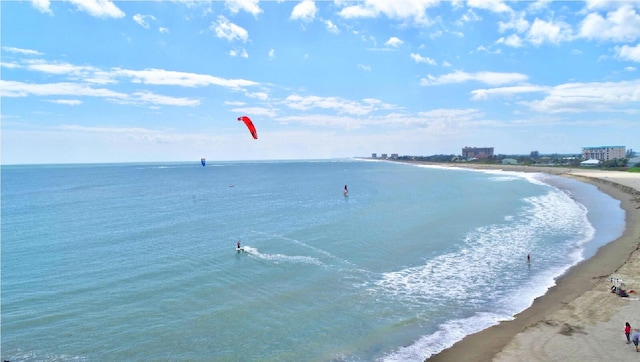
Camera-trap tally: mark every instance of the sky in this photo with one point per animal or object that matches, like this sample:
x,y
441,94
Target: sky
x,y
92,81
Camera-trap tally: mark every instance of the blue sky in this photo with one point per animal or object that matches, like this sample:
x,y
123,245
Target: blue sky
x,y
119,81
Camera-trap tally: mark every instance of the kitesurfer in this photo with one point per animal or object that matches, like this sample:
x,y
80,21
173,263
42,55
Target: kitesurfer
x,y
238,244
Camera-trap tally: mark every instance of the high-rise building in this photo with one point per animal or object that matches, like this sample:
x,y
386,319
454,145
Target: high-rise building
x,y
477,152
603,153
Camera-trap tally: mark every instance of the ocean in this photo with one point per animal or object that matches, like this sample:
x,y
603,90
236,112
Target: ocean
x,y
138,261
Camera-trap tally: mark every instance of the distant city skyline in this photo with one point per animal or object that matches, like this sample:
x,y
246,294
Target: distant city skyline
x,y
163,81
581,152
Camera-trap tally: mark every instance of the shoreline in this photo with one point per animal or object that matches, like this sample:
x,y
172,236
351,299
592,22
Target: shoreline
x,y
581,297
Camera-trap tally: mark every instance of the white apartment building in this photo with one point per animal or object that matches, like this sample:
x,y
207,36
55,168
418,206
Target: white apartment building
x,y
603,153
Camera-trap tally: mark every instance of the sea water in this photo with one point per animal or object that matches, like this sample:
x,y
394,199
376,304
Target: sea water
x,y
138,261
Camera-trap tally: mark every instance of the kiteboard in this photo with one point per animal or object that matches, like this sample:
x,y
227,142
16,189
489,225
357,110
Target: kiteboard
x,y
239,250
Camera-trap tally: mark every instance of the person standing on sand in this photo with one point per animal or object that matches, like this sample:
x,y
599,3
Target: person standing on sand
x,y
627,332
636,339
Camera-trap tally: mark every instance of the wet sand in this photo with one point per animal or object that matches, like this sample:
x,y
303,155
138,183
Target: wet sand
x,y
579,319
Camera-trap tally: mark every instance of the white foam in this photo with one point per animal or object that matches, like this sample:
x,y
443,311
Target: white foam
x,y
282,258
470,270
445,337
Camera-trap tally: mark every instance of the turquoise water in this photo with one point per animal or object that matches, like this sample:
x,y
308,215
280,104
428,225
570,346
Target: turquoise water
x,y
138,261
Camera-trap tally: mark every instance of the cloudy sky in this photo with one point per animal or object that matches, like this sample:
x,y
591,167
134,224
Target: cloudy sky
x,y
119,81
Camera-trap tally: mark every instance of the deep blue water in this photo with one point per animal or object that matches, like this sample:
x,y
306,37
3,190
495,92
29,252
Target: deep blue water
x,y
138,261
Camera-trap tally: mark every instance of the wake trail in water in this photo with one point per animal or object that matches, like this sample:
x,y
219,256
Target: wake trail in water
x,y
342,264
281,258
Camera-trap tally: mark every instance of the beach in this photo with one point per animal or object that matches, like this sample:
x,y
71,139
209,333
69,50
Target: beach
x,y
579,319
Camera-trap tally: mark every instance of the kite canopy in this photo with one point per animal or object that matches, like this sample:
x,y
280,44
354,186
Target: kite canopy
x,y
250,126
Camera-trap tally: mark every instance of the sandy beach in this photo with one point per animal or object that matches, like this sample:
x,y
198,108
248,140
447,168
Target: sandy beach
x,y
579,319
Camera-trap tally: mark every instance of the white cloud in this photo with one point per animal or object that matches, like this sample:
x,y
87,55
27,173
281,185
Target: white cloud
x,y
99,8
630,69
21,51
496,6
127,134
366,68
11,88
322,120
337,104
512,40
491,78
143,20
539,5
331,27
590,97
84,73
621,25
239,53
272,53
43,6
147,76
484,94
394,42
420,59
256,111
467,17
447,121
20,89
10,65
250,6
357,11
553,32
156,99
601,4
626,52
163,30
263,96
68,102
517,23
398,9
305,10
223,28
115,130
169,77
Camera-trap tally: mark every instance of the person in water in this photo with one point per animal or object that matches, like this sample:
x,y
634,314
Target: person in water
x,y
238,244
